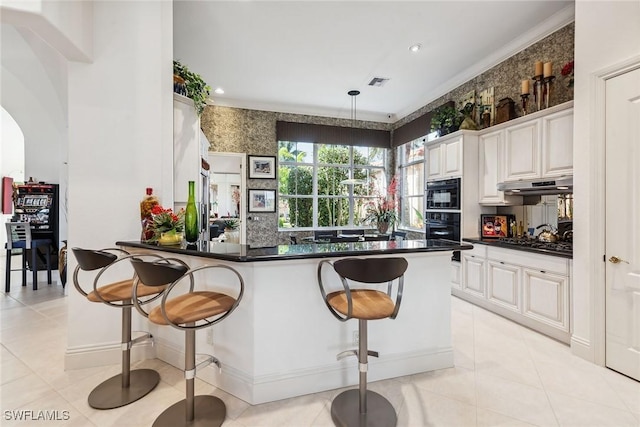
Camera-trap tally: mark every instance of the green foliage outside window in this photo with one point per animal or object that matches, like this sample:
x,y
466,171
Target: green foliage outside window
x,y
333,197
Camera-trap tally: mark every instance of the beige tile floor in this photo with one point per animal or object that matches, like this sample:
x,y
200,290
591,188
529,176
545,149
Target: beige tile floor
x,y
504,375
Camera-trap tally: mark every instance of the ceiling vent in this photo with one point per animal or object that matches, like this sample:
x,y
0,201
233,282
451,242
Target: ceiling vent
x,y
378,81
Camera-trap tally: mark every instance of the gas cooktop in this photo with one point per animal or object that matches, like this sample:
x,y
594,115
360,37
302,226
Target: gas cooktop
x,y
563,246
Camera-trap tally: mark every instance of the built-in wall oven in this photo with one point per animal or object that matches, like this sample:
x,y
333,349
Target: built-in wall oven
x,y
442,211
443,194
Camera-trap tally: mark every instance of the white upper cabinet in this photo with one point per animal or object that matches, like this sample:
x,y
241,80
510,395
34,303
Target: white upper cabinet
x,y
187,147
522,151
490,170
557,144
539,145
444,158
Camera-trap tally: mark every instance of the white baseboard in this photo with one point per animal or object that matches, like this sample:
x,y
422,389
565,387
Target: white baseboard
x,y
92,356
269,388
582,348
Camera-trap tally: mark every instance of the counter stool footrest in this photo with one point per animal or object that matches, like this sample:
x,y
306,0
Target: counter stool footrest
x,y
146,336
347,353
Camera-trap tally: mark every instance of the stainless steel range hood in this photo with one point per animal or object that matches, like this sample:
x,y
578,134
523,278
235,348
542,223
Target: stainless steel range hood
x,y
538,187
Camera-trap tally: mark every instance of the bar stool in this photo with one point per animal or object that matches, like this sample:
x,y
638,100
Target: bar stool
x,y
363,407
19,237
129,385
188,312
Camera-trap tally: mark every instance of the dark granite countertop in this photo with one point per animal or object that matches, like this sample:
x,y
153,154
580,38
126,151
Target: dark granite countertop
x,y
245,253
500,244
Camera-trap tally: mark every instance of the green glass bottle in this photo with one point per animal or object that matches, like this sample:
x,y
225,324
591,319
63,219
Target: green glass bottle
x,y
191,216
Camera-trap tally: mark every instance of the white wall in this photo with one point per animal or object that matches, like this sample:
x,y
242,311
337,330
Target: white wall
x,y
11,157
607,33
120,142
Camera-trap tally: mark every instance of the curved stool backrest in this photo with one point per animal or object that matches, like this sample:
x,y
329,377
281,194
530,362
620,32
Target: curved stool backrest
x,y
371,270
157,273
89,260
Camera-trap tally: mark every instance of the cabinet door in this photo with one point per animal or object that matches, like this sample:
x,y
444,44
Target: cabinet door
x,y
522,151
490,167
557,144
455,274
546,298
503,284
434,161
473,274
451,152
186,148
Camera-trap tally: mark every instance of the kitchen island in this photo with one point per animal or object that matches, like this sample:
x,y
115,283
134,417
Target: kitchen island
x,y
282,341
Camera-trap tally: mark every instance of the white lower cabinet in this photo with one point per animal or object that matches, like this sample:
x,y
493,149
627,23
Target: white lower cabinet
x,y
503,284
455,274
526,287
546,298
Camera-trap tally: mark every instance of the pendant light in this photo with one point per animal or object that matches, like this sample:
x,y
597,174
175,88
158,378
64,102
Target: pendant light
x,y
353,94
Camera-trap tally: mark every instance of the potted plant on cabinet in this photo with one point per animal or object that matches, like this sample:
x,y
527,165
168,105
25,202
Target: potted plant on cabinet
x,y
445,119
192,84
231,232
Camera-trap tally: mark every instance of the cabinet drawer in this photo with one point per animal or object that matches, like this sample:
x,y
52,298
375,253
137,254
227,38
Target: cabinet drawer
x,y
543,263
478,251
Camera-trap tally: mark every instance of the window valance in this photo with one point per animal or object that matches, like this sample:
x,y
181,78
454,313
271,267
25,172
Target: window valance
x,y
336,135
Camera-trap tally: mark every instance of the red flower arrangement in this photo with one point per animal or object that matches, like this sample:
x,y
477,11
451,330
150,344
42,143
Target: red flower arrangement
x,y
567,73
383,208
166,221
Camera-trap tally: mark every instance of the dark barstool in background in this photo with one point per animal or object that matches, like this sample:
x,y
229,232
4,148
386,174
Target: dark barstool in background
x,y
128,386
188,312
19,237
363,407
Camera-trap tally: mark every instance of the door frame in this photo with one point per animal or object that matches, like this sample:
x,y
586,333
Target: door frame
x,y
243,188
597,225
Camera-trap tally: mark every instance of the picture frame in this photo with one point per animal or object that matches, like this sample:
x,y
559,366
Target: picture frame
x,y
261,167
262,200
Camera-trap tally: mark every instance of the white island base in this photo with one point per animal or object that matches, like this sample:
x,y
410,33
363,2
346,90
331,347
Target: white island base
x,y
282,341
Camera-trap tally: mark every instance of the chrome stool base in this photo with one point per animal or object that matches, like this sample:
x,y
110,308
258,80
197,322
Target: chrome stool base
x,y
209,411
110,394
345,410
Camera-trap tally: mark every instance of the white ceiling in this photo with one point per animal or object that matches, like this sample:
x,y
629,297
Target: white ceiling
x,y
303,57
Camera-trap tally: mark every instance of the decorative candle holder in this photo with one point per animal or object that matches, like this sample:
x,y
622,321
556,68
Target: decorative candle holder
x,y
537,90
524,97
547,89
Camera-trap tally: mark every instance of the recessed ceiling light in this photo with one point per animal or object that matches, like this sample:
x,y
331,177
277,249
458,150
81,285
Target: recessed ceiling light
x,y
416,47
563,187
219,91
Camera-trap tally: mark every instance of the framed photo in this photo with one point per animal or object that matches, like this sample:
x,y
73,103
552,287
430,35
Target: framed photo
x,y
262,167
262,200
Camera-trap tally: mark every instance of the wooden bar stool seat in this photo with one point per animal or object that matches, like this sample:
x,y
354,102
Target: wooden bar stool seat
x,y
188,312
362,407
129,385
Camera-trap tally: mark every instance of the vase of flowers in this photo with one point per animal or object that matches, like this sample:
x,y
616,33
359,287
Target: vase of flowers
x,y
167,226
381,211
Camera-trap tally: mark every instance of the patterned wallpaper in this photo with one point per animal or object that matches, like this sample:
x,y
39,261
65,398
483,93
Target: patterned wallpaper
x,y
237,130
507,76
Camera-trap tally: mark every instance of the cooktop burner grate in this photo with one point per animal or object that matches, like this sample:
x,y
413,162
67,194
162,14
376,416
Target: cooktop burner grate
x,y
552,246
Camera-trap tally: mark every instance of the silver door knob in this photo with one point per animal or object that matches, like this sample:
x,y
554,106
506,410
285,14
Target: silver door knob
x,y
616,260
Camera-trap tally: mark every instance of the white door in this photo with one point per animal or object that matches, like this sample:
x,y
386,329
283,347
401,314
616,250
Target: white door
x,y
623,223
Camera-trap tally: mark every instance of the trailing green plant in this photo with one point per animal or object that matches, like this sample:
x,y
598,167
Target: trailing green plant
x,y
197,89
